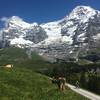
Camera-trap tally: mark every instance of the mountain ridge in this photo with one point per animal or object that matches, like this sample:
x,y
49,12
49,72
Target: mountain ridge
x,y
62,39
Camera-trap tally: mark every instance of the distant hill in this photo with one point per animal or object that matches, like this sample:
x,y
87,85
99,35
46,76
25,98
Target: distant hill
x,y
19,58
12,55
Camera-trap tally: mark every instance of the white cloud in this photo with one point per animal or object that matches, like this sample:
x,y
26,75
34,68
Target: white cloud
x,y
4,19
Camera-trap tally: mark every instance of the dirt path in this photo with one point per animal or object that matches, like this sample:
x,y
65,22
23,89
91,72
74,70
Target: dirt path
x,y
85,93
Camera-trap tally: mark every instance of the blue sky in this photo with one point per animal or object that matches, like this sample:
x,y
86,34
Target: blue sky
x,y
42,11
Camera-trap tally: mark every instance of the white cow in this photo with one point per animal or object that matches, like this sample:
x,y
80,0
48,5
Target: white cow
x,y
9,65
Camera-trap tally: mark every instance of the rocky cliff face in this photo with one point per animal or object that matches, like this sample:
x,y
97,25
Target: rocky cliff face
x,y
72,38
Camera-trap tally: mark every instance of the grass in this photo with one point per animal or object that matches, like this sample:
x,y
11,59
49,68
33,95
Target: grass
x,y
12,55
25,84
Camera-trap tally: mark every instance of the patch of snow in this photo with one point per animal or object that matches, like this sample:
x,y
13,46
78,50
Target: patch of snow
x,y
67,39
81,37
76,46
55,40
71,30
97,37
71,52
69,23
52,29
19,41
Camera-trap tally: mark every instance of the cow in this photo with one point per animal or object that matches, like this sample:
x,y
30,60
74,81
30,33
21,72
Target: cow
x,y
60,81
9,66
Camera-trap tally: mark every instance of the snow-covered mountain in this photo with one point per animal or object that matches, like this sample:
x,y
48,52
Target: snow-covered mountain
x,y
22,34
68,38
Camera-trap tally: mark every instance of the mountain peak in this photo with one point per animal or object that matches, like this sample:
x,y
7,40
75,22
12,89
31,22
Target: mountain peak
x,y
15,18
83,7
17,21
82,13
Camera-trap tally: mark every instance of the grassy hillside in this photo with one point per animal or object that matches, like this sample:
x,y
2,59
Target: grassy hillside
x,y
25,84
19,58
12,56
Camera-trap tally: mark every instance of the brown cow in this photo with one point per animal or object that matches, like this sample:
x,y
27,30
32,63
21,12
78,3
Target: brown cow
x,y
60,81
